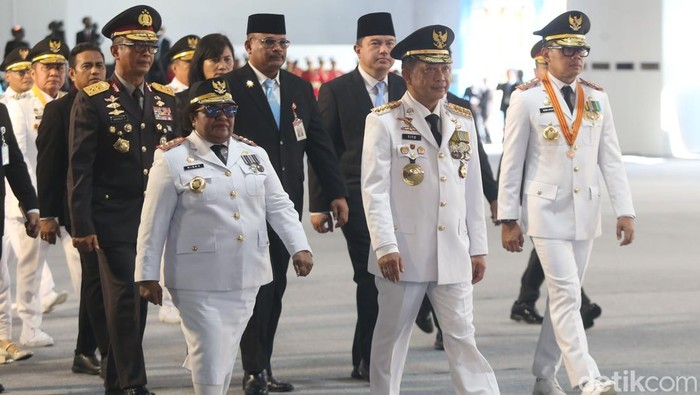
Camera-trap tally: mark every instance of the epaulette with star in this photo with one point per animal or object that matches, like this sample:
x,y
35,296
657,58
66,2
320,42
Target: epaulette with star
x,y
591,85
171,144
459,110
162,88
385,108
527,85
244,140
97,87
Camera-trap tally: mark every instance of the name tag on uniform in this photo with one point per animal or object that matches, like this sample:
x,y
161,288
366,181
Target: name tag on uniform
x,y
412,137
545,110
192,167
118,118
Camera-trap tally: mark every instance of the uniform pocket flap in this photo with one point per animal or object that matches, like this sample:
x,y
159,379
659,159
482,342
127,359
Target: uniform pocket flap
x,y
196,244
542,190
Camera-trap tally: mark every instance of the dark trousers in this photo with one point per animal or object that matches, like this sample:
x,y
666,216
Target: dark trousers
x,y
532,279
92,324
125,311
358,242
259,336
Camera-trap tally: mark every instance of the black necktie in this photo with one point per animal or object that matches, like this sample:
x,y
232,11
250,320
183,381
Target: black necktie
x,y
138,97
434,121
221,152
568,96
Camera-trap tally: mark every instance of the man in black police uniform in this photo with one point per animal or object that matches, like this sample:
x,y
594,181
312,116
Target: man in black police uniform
x,y
278,111
344,104
115,128
86,66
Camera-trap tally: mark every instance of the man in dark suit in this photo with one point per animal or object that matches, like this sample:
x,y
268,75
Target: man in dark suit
x,y
344,104
278,111
86,66
115,128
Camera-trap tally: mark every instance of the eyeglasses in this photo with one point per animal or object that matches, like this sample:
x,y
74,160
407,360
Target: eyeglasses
x,y
141,47
20,73
270,42
213,110
571,51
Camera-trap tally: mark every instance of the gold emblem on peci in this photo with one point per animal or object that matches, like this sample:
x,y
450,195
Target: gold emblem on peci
x,y
439,39
54,46
575,23
145,19
23,53
219,87
192,42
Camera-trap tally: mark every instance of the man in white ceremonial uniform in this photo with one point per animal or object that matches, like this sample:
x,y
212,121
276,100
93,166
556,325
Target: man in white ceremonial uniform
x,y
17,74
559,137
180,56
421,189
207,202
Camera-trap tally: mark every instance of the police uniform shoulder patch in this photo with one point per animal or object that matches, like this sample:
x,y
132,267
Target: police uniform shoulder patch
x,y
527,85
244,140
459,110
162,88
385,108
97,87
591,85
171,144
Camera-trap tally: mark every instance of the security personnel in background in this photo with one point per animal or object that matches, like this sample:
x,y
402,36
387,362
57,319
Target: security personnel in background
x,y
559,137
278,111
48,71
86,66
424,148
16,68
180,55
115,128
344,104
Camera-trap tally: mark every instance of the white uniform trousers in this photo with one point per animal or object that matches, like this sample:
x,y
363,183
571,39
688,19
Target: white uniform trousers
x,y
562,335
398,307
213,323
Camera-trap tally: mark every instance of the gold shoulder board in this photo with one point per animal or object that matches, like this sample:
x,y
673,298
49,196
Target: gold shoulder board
x,y
97,87
244,140
527,85
459,110
171,144
162,88
385,108
591,85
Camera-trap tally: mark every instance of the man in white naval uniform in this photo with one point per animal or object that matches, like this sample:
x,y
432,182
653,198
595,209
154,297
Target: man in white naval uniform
x,y
16,68
421,189
207,201
559,136
180,55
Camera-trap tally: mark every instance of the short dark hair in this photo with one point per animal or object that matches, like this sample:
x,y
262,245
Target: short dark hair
x,y
80,48
210,46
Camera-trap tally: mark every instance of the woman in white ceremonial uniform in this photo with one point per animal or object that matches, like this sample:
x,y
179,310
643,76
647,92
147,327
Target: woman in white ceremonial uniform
x,y
207,202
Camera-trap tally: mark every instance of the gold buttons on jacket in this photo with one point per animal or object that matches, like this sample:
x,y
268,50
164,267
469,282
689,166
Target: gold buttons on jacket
x,y
576,168
194,248
143,126
576,190
145,172
443,178
441,228
240,238
144,149
228,173
106,197
441,155
236,216
233,194
443,203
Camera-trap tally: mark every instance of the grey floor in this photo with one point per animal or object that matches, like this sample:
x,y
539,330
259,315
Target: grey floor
x,y
649,292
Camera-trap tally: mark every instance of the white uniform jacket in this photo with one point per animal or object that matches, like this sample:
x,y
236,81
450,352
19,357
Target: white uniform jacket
x,y
438,224
215,235
560,195
177,86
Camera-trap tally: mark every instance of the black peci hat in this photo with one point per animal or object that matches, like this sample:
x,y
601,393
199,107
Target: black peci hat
x,y
16,60
430,44
266,23
49,50
567,29
184,48
375,24
139,23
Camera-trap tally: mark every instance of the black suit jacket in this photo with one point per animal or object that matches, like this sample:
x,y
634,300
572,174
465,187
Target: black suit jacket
x,y
255,121
52,159
344,104
105,186
16,171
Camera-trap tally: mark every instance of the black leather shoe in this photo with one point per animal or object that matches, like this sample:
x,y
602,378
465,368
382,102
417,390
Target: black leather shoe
x,y
360,372
141,390
278,386
2,389
590,312
87,364
255,383
438,341
423,320
524,312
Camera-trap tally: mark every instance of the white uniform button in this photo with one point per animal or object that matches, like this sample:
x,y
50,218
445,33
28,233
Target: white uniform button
x,y
576,168
144,149
228,173
236,216
194,248
441,155
240,238
233,194
443,203
576,190
441,228
145,172
443,178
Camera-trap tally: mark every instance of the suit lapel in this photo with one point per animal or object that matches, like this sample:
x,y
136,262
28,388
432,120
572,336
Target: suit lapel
x,y
148,104
285,101
127,102
447,127
255,92
358,89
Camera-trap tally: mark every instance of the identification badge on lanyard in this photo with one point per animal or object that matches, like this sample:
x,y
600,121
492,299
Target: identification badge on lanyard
x,y
298,124
5,149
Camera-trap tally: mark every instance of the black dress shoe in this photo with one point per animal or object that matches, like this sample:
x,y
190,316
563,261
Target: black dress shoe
x,y
141,390
438,341
255,383
87,364
590,312
524,312
278,386
360,372
423,320
2,389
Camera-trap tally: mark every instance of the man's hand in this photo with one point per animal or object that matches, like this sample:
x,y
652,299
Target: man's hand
x,y
494,212
151,291
478,268
32,224
625,230
322,222
86,244
302,262
49,230
339,208
512,236
391,265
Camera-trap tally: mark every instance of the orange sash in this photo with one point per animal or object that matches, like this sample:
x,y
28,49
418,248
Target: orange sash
x,y
568,134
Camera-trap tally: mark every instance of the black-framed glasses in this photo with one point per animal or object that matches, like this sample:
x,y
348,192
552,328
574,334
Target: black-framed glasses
x,y
141,47
270,42
214,110
571,51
